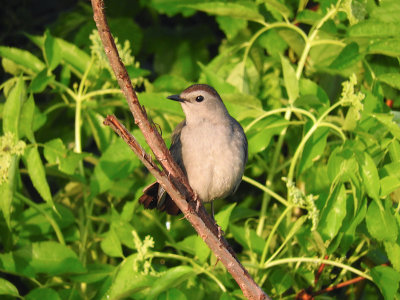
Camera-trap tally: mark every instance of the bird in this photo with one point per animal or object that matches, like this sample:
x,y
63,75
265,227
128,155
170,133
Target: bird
x,y
210,147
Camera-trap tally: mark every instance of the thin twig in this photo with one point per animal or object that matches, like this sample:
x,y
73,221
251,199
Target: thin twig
x,y
176,183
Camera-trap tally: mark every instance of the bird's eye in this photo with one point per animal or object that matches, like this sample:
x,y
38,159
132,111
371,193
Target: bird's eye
x,y
199,98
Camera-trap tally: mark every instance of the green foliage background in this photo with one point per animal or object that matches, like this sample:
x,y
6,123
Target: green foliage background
x,y
308,81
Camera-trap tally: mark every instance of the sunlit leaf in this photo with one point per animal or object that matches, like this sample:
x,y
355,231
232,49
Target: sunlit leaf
x,y
291,82
333,214
171,278
23,58
387,280
381,224
37,173
242,10
12,107
52,51
7,288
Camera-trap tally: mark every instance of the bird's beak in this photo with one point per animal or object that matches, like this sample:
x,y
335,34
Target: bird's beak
x,y
176,98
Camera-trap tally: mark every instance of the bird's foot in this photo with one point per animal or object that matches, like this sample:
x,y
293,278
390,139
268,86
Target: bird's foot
x,y
221,233
198,202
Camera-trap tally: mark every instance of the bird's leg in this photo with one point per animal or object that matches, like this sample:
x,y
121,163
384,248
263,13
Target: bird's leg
x,y
198,201
220,231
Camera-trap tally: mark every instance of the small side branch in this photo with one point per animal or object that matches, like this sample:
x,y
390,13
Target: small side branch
x,y
176,183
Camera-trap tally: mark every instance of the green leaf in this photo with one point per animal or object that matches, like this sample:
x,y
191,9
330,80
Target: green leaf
x,y
37,174
389,184
333,214
386,10
313,149
7,288
381,224
170,82
217,82
52,258
273,42
311,94
347,57
111,244
27,113
187,244
242,10
7,190
95,273
231,26
32,223
390,175
308,16
24,58
115,164
49,257
389,47
42,294
387,120
101,133
387,280
394,150
392,251
369,174
291,82
52,51
260,135
202,251
375,29
223,216
281,281
173,293
171,278
248,238
41,81
12,107
127,281
12,262
277,7
391,79
56,153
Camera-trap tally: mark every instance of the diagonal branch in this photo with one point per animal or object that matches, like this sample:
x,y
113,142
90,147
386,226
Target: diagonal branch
x,y
175,183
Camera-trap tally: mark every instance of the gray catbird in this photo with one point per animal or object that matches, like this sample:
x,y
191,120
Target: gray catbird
x,y
209,145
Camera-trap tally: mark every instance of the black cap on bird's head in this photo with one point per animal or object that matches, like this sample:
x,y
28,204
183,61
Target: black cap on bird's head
x,y
201,89
201,102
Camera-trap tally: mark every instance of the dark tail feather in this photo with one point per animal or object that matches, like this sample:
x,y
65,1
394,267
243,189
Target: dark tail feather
x,y
150,196
155,197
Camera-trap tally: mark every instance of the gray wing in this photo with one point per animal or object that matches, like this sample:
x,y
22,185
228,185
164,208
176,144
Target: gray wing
x,y
240,136
176,145
176,152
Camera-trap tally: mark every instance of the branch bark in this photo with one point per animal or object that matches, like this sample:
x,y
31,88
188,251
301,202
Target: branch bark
x,y
171,177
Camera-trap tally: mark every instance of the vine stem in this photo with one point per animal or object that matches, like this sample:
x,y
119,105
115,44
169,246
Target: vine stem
x,y
266,190
271,234
189,260
303,142
310,40
316,261
51,220
277,111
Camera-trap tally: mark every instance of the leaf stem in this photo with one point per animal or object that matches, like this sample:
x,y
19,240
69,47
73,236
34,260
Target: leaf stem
x,y
51,220
277,111
271,234
310,40
195,265
316,261
266,190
